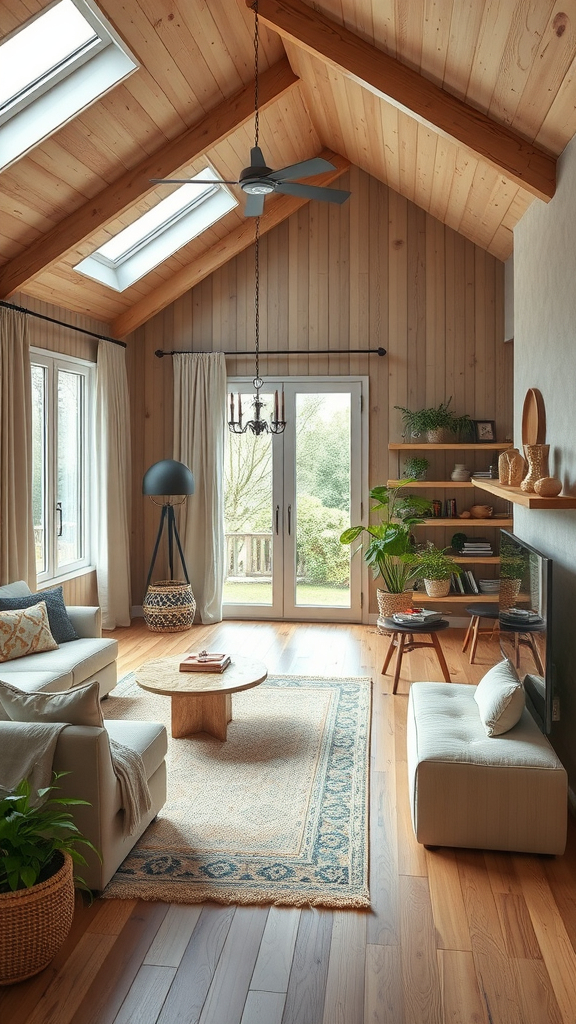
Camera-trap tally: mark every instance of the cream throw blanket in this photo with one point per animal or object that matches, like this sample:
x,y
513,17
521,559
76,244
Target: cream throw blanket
x,y
27,752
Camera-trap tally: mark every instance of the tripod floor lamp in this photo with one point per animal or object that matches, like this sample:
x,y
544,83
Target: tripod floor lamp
x,y
169,605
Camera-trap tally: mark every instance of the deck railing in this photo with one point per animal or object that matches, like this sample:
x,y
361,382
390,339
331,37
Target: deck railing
x,y
249,554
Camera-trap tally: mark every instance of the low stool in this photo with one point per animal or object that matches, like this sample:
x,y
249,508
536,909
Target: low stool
x,y
477,612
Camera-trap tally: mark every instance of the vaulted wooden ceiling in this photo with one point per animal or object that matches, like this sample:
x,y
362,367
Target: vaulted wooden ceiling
x,y
462,106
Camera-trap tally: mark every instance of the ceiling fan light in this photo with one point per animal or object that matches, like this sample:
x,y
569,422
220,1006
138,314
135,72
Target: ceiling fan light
x,y
257,188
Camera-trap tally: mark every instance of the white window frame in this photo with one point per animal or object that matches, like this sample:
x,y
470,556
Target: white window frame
x,y
64,92
52,362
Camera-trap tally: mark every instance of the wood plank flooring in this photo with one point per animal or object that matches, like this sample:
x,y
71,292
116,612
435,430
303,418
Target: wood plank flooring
x,y
452,937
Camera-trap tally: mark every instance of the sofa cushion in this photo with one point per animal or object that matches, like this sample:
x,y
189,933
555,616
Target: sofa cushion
x,y
149,739
500,698
80,706
25,632
60,625
81,659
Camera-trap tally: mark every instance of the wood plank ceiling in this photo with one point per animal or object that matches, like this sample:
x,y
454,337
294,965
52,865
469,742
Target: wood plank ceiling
x,y
462,106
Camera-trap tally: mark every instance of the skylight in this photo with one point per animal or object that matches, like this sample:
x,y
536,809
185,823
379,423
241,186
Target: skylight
x,y
51,68
159,232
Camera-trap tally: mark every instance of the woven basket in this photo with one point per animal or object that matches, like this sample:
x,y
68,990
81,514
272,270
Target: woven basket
x,y
437,588
509,590
169,606
34,924
389,603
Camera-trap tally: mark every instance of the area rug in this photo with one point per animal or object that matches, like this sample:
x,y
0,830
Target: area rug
x,y
278,813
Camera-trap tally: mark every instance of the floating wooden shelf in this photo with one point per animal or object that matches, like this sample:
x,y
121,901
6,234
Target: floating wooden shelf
x,y
477,559
497,446
465,524
419,597
446,484
525,498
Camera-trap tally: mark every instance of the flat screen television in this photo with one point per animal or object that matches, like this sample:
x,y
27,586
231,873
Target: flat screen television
x,y
526,621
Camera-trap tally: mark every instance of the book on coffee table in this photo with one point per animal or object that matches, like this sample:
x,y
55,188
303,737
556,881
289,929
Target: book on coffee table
x,y
204,662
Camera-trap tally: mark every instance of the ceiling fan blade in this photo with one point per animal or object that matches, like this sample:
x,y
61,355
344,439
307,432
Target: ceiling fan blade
x,y
327,195
257,157
254,206
192,181
303,170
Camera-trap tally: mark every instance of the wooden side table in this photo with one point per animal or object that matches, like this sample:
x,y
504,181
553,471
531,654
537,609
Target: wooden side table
x,y
403,640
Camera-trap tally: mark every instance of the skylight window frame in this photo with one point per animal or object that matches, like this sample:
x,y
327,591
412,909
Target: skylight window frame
x,y
63,92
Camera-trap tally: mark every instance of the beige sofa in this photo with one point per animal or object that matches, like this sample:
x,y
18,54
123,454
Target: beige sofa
x,y
507,792
78,661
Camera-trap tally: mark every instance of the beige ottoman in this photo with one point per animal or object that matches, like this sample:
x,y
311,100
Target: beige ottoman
x,y
506,792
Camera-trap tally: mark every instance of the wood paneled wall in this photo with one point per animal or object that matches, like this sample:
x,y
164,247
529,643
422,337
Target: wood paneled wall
x,y
82,589
378,271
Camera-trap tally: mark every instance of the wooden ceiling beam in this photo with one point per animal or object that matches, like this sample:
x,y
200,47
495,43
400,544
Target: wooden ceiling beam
x,y
276,210
528,165
217,125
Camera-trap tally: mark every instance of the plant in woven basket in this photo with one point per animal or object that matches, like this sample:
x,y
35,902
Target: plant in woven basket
x,y
391,541
432,563
38,849
415,468
437,417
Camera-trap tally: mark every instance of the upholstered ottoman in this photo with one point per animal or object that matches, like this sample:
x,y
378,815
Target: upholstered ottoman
x,y
469,789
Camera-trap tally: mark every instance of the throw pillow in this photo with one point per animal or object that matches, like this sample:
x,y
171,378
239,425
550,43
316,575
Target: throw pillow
x,y
80,706
500,698
60,625
25,632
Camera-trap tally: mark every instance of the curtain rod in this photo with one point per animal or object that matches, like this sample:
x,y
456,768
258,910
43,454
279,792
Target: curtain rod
x,y
284,352
51,320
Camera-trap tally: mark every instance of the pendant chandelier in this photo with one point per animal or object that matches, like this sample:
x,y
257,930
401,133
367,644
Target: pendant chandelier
x,y
257,424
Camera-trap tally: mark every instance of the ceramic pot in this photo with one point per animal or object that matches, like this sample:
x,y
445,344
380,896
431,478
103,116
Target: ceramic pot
x,y
439,436
389,603
537,459
460,472
437,588
548,486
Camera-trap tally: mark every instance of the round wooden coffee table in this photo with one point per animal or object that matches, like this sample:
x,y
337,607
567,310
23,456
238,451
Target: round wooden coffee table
x,y
201,701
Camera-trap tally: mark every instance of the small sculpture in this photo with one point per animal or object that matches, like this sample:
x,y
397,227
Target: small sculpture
x,y
548,486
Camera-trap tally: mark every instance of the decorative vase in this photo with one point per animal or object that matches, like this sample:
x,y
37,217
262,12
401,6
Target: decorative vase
x,y
35,923
389,603
437,588
169,606
517,467
481,511
438,436
504,468
537,459
460,472
509,590
548,486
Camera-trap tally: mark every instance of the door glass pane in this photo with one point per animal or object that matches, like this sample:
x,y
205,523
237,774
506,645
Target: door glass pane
x,y
39,465
248,513
322,499
69,477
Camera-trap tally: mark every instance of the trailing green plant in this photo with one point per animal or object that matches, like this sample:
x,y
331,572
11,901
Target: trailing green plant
x,y
432,563
458,541
438,417
391,541
512,566
415,468
32,836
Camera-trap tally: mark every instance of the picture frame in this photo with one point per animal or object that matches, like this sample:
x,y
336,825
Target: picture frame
x,y
484,431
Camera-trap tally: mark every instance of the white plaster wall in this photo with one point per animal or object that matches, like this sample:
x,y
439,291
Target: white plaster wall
x,y
545,358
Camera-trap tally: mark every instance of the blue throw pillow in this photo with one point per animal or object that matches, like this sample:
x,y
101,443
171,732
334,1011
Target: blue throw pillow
x,y
60,625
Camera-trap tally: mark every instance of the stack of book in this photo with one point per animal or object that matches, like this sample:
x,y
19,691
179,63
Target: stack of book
x,y
479,547
520,617
204,662
465,583
417,617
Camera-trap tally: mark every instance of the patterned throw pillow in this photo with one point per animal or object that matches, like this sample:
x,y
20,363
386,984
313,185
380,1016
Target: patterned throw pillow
x,y
80,706
60,624
25,632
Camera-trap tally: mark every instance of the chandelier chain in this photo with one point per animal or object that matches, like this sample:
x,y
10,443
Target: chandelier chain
x,y
256,98
257,296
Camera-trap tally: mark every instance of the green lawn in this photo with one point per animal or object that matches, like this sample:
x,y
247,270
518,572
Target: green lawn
x,y
248,592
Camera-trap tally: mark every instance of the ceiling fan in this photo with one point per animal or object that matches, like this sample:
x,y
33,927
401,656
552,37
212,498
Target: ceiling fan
x,y
258,181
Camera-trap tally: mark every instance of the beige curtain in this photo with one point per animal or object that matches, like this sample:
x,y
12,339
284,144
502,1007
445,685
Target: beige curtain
x,y
199,438
17,554
113,481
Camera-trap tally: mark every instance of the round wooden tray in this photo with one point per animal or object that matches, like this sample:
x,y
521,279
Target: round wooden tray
x,y
533,418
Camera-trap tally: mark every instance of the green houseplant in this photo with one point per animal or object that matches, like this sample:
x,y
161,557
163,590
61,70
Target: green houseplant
x,y
436,568
415,468
391,544
38,850
434,422
512,570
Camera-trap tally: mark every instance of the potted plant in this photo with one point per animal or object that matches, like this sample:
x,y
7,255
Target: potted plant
x,y
435,422
391,544
512,569
415,468
38,849
436,568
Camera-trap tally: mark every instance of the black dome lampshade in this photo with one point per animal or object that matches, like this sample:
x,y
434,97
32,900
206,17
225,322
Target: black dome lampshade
x,y
168,477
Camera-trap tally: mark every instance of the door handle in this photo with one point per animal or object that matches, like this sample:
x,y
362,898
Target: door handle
x,y
59,514
289,519
277,519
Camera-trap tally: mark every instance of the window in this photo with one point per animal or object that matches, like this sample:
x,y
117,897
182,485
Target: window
x,y
62,396
51,68
159,232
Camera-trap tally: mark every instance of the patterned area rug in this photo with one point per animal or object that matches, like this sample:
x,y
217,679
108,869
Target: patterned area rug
x,y
276,814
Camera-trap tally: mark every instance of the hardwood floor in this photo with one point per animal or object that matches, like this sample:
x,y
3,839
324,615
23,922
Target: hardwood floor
x,y
453,936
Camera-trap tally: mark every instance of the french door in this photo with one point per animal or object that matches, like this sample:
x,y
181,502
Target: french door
x,y
288,498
